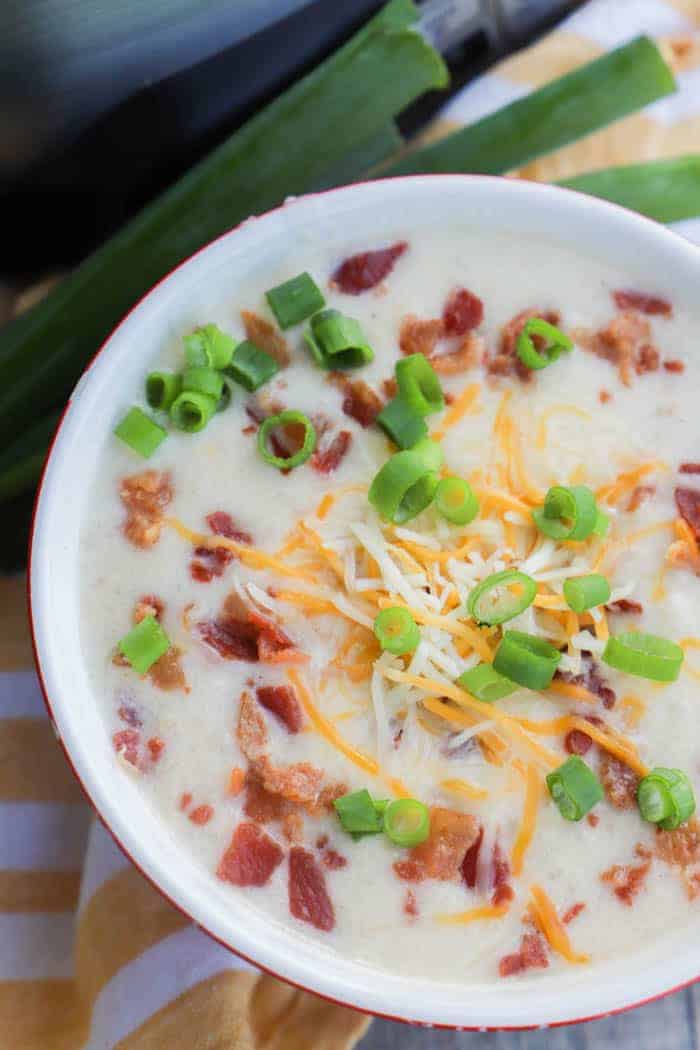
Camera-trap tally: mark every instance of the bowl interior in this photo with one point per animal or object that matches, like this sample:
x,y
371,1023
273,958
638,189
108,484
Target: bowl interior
x,y
370,211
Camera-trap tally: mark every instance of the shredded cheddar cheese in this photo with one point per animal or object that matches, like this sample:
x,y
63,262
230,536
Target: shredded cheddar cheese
x,y
548,922
554,410
327,730
249,555
626,481
460,786
461,918
533,791
457,410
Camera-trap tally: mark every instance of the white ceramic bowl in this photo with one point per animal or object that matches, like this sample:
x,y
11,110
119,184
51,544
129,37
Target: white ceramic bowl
x,y
651,254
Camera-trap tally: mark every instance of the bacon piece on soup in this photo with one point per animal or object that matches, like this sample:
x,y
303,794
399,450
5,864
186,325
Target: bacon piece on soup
x,y
149,605
299,782
156,747
282,701
625,605
360,402
627,880
329,794
470,863
627,299
639,495
500,875
592,680
145,497
167,673
236,782
572,913
577,742
251,857
419,335
619,781
128,713
358,273
620,339
468,354
648,359
506,361
262,805
532,954
231,639
410,905
208,562
126,743
593,819
674,366
689,468
442,853
251,730
328,457
222,524
333,860
308,896
274,646
688,504
462,312
201,815
680,847
266,337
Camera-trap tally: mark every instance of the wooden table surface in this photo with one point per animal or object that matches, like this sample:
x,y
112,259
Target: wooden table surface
x,y
669,1024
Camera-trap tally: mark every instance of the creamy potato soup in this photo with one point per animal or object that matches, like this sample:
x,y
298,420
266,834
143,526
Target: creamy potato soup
x,y
396,623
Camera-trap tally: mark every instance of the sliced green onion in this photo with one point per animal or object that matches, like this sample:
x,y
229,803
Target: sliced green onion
x,y
396,630
456,500
407,822
419,385
226,395
501,596
585,592
209,347
404,426
203,380
602,521
144,644
295,300
665,797
359,814
486,684
140,432
191,411
403,487
289,418
575,788
430,453
162,388
526,659
337,341
567,514
251,367
645,655
667,190
556,342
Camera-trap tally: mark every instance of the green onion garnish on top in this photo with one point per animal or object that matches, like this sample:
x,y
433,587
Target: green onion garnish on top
x,y
209,347
144,644
526,659
295,300
162,388
396,630
359,813
575,788
567,513
203,380
407,482
665,797
585,592
602,521
192,410
555,342
486,684
456,501
402,424
501,596
251,367
407,822
645,655
337,342
140,432
294,424
419,385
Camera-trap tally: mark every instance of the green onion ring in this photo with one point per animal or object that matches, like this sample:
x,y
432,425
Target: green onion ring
x,y
645,655
486,684
289,417
419,385
404,426
492,601
585,592
191,411
407,822
567,513
144,644
404,486
140,432
526,659
456,501
556,342
665,797
574,788
396,630
162,388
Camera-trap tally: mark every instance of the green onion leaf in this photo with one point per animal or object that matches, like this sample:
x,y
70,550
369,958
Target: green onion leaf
x,y
585,592
295,300
501,596
575,788
407,822
144,644
568,513
486,684
404,426
396,630
666,190
290,420
203,380
602,521
191,411
140,432
665,797
359,814
645,655
556,342
404,486
337,342
526,659
21,463
456,501
209,347
430,452
251,367
419,385
161,389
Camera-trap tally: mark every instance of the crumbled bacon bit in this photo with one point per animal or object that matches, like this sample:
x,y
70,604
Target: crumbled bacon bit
x,y
321,842
577,742
500,874
326,460
627,879
638,496
129,714
468,354
593,819
282,701
648,359
619,781
185,800
592,680
167,673
156,747
209,562
299,782
627,299
681,846
251,857
620,339
259,408
410,904
689,468
358,273
330,793
625,605
308,896
231,639
604,397
262,805
451,835
251,730
462,312
145,497
531,954
506,361
572,913
222,524
202,814
390,388
126,743
293,826
333,860
470,863
673,365
360,402
418,335
266,337
688,504
241,633
149,605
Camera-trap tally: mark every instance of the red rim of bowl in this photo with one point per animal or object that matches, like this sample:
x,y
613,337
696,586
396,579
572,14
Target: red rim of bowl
x,y
175,904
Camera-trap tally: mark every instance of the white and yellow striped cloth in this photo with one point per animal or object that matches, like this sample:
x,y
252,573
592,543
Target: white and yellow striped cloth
x,y
90,955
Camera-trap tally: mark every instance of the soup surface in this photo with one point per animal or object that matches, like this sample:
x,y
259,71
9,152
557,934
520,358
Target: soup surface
x,y
275,698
